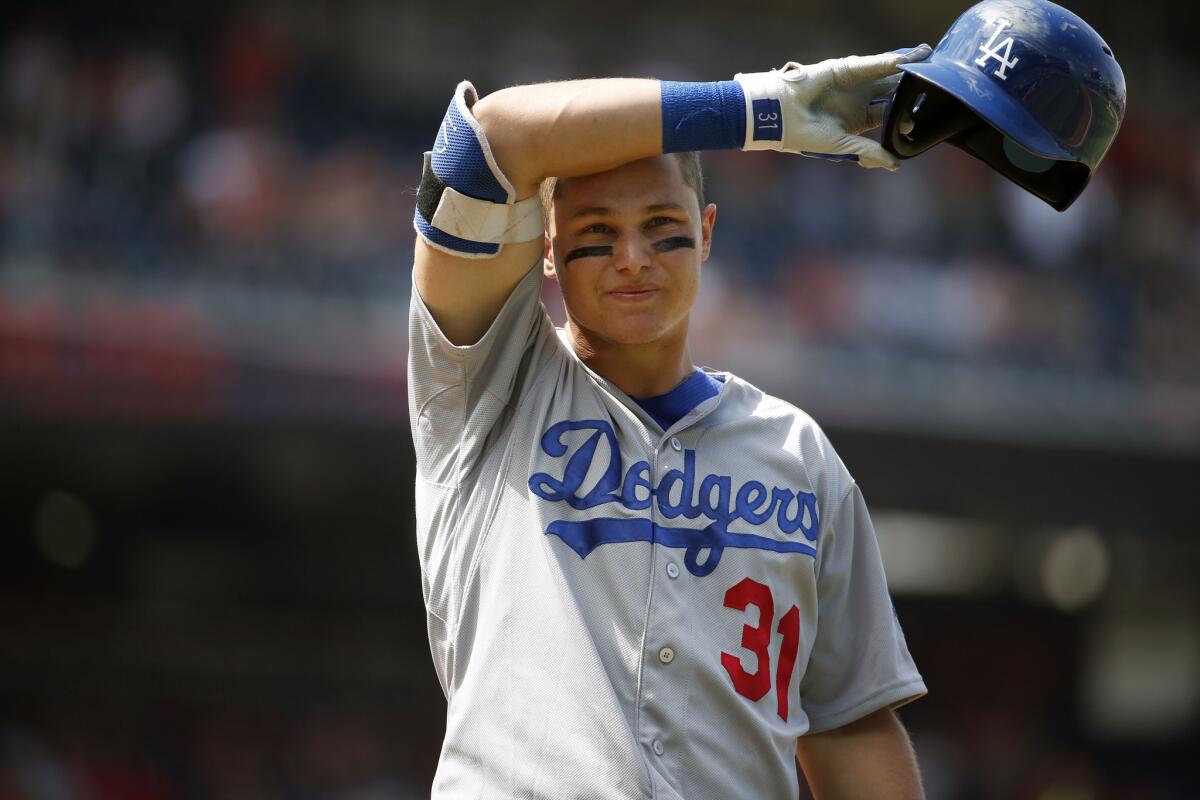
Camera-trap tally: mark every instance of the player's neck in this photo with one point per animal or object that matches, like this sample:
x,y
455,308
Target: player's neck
x,y
639,370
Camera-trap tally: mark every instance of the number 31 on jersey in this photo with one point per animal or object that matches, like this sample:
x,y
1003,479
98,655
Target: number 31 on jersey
x,y
757,639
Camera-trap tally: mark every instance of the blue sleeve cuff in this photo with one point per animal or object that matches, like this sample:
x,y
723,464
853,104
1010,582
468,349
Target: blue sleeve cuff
x,y
703,116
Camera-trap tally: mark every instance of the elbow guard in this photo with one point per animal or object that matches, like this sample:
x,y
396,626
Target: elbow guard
x,y
465,205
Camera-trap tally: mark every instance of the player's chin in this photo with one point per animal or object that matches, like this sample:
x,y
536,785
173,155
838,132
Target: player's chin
x,y
632,329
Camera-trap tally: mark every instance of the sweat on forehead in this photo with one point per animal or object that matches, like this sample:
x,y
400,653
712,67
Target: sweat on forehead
x,y
689,167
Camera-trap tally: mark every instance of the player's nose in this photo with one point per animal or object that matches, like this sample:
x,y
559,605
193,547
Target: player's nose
x,y
632,253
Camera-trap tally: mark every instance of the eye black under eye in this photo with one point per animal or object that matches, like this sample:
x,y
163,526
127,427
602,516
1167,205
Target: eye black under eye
x,y
674,243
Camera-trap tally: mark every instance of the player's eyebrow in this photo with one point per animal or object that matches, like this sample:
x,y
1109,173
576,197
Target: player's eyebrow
x,y
664,207
592,211
604,211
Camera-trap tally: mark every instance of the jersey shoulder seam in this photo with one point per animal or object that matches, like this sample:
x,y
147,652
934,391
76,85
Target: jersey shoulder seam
x,y
832,516
436,395
486,530
490,516
438,484
553,343
458,450
514,399
849,488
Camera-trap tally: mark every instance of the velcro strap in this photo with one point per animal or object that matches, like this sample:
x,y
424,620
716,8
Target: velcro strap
x,y
429,192
484,221
765,95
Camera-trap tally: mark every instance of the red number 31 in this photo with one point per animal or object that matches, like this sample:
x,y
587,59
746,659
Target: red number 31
x,y
755,685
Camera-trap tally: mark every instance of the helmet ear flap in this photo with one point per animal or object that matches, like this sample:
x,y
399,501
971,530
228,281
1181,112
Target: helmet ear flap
x,y
920,115
1058,183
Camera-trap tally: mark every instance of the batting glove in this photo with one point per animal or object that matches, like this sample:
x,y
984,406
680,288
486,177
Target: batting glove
x,y
820,110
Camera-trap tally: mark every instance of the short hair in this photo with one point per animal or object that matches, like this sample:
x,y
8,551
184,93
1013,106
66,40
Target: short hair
x,y
689,165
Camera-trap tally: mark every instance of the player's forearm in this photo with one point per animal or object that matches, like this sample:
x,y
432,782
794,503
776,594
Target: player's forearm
x,y
571,128
581,127
871,757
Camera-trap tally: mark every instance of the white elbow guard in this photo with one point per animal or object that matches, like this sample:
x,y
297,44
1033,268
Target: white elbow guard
x,y
465,204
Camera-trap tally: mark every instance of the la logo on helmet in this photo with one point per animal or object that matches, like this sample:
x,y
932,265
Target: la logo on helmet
x,y
992,50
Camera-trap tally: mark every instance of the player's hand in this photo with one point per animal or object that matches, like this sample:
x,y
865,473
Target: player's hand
x,y
822,109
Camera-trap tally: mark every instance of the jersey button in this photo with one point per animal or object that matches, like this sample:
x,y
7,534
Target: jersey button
x,y
658,747
672,570
675,443
666,655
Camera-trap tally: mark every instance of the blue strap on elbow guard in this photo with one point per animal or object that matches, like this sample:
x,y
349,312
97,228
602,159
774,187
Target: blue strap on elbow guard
x,y
465,204
703,116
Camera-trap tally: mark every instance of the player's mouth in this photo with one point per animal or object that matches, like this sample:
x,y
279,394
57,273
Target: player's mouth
x,y
633,292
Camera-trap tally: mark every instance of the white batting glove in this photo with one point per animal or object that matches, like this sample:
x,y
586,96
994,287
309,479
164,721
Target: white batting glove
x,y
820,110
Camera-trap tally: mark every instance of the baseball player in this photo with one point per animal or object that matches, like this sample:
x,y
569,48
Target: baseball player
x,y
643,579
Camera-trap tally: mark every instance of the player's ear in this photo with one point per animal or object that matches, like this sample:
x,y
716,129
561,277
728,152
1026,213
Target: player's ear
x,y
548,261
708,218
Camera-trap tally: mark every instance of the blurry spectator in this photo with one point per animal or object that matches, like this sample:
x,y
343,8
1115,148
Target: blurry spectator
x,y
149,104
279,150
1061,240
236,182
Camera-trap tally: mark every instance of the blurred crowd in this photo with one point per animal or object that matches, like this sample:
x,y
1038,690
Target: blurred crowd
x,y
148,160
186,186
249,751
177,755
206,209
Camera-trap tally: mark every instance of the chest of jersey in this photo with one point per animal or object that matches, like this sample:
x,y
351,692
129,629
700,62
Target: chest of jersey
x,y
670,577
618,612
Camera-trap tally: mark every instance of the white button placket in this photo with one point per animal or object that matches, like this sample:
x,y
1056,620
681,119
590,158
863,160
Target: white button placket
x,y
663,706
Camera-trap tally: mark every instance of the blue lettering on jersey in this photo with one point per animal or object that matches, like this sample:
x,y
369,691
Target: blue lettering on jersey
x,y
716,501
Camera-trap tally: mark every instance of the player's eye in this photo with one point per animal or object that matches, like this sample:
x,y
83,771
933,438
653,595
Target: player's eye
x,y
596,227
657,221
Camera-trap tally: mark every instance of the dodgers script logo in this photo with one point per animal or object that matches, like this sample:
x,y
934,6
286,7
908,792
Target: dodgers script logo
x,y
715,499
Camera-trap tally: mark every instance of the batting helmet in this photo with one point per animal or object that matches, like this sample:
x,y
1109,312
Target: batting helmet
x,y
1023,85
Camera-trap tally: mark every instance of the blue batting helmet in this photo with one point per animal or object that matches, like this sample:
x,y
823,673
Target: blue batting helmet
x,y
1023,85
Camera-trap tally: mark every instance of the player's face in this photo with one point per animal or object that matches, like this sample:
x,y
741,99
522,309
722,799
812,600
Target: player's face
x,y
626,247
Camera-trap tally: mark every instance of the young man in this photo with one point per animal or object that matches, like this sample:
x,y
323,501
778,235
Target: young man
x,y
643,579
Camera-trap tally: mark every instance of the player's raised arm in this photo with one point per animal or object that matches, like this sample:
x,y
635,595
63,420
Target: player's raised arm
x,y
478,213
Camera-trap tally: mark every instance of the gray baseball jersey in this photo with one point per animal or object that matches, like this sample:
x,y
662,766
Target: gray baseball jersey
x,y
618,611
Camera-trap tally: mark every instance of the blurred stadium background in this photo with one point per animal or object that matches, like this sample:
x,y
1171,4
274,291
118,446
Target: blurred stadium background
x,y
208,584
